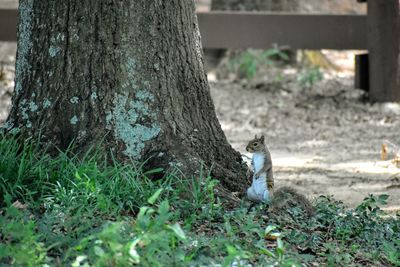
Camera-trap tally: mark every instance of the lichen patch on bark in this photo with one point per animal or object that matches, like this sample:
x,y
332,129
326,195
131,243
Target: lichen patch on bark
x,y
74,120
74,100
54,50
55,43
133,122
46,103
93,96
32,106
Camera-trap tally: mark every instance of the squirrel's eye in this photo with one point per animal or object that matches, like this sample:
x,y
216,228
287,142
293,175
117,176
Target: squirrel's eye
x,y
255,144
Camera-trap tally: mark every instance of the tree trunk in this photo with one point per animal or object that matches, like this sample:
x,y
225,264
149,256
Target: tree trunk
x,y
124,74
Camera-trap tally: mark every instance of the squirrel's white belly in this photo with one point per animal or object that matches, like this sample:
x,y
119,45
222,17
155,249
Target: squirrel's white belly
x,y
258,190
258,193
258,161
260,184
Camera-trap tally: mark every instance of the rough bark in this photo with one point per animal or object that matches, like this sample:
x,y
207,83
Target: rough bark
x,y
124,74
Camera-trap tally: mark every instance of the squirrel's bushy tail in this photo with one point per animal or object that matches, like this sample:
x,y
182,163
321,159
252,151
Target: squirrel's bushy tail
x,y
287,197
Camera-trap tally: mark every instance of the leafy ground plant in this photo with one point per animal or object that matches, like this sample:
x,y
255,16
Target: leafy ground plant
x,y
20,243
246,63
308,77
149,241
67,210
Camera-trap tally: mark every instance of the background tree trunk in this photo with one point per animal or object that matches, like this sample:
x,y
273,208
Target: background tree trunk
x,y
126,74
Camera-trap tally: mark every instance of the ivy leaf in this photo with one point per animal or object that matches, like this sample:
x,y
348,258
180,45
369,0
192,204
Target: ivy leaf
x,y
134,255
383,198
177,230
154,197
269,229
157,170
99,251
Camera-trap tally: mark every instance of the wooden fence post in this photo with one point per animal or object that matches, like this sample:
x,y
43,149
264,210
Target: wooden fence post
x,y
8,25
383,22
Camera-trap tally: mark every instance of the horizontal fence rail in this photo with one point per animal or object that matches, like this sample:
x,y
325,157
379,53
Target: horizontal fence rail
x,y
259,30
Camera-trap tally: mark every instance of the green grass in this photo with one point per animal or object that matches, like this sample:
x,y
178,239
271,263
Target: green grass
x,y
247,63
93,211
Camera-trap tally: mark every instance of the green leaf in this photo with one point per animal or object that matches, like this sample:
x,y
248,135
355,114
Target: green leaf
x,y
78,176
267,252
154,197
279,252
177,230
4,251
269,229
135,242
134,255
83,243
231,250
383,197
99,251
144,210
115,246
157,170
275,234
279,243
78,261
163,209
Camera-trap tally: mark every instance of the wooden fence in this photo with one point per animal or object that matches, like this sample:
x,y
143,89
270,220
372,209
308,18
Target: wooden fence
x,y
298,31
378,32
259,30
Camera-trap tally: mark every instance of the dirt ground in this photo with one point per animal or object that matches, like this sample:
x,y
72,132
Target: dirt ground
x,y
7,71
323,140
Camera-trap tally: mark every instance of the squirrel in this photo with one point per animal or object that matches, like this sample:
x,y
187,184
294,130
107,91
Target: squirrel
x,y
262,187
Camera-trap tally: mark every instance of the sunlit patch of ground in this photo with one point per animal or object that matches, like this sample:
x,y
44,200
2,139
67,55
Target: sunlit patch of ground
x,y
324,139
7,61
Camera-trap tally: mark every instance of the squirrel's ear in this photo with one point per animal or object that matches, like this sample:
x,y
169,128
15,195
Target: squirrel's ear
x,y
262,138
255,137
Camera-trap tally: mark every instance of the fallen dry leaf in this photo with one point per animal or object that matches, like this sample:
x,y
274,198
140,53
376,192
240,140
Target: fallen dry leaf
x,y
19,205
384,152
396,160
